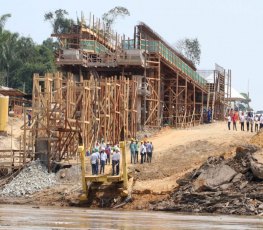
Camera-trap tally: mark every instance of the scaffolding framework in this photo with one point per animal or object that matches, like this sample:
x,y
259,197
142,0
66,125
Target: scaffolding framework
x,y
219,91
66,113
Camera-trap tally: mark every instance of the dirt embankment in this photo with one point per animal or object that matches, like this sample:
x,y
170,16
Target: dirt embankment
x,y
178,152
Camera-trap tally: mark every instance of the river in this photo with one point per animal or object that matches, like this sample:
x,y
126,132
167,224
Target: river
x,y
29,217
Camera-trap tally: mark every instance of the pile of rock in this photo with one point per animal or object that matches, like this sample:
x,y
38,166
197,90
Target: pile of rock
x,y
31,179
228,186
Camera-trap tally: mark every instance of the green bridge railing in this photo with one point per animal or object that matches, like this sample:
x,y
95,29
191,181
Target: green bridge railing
x,y
168,55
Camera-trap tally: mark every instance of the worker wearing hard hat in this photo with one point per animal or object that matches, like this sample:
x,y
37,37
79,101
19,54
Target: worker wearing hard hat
x,y
103,157
132,150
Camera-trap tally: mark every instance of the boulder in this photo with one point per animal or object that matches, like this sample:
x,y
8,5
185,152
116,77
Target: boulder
x,y
225,186
244,151
213,177
256,164
237,178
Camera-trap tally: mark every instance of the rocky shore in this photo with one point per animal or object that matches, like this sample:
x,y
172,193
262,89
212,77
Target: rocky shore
x,y
225,186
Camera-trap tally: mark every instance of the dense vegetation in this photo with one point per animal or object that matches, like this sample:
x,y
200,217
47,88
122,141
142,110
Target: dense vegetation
x,y
21,57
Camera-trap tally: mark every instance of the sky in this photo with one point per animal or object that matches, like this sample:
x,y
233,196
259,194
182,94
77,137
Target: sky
x,y
230,31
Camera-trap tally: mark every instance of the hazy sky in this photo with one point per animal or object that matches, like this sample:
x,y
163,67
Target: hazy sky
x,y
230,31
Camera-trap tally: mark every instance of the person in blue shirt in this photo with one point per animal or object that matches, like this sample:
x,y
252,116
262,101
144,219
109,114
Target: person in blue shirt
x,y
209,115
149,150
132,150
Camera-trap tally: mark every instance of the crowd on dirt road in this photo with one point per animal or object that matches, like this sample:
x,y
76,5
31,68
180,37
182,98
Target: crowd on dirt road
x,y
105,154
250,121
145,149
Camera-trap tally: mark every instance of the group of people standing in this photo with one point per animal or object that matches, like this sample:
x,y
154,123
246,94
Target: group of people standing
x,y
252,122
105,154
146,151
101,155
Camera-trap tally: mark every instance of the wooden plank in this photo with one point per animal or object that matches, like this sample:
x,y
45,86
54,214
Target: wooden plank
x,y
96,178
117,178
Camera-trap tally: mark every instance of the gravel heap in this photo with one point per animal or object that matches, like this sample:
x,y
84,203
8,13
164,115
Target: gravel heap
x,y
31,179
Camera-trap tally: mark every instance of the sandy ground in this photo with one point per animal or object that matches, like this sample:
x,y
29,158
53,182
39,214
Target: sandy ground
x,y
179,151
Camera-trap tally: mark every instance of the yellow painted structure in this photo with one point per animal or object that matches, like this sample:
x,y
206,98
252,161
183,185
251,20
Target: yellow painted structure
x,y
81,151
124,164
3,113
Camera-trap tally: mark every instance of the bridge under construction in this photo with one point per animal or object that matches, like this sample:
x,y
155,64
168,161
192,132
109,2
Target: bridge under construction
x,y
110,86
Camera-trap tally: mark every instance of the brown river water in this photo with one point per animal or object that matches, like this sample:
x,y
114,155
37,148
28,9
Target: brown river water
x,y
29,217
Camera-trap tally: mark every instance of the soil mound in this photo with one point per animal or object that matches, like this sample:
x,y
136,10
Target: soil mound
x,y
258,139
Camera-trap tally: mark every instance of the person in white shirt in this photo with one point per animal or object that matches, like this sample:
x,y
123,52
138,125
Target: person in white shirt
x,y
93,161
103,157
229,119
242,121
116,161
143,152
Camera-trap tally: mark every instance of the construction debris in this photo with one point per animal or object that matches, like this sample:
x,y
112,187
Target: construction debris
x,y
31,179
227,186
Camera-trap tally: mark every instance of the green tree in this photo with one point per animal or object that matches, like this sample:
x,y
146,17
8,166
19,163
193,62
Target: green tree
x,y
246,101
190,48
31,58
60,23
3,20
8,52
3,38
21,57
109,18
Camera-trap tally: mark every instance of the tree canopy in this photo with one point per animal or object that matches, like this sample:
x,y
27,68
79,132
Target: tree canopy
x,y
109,18
59,21
21,57
190,48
